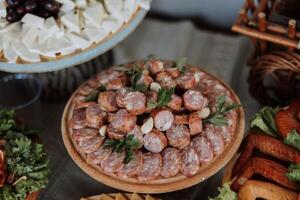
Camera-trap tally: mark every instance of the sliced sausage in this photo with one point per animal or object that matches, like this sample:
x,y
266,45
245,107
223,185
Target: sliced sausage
x,y
203,149
193,100
95,117
113,133
225,132
93,82
175,103
181,119
178,136
84,134
138,135
120,96
99,155
163,119
186,81
84,104
117,83
165,80
145,80
78,119
78,100
189,161
134,166
135,103
173,72
214,138
85,90
151,166
90,145
114,162
195,123
155,66
107,75
123,121
107,101
151,96
170,162
155,141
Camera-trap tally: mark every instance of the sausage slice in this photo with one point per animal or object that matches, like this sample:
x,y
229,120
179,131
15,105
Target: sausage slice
x,y
155,141
163,119
95,117
178,136
99,155
84,134
175,103
186,81
114,162
193,100
195,123
78,119
113,133
133,167
170,162
135,103
203,149
151,166
189,161
181,119
90,145
107,101
137,134
123,121
155,66
165,80
214,138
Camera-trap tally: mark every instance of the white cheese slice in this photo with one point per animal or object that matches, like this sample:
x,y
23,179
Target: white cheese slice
x,y
30,36
51,25
94,35
130,5
24,53
10,27
3,22
71,21
9,53
2,9
113,6
67,5
33,20
94,14
61,32
78,41
14,34
81,3
111,24
145,4
59,45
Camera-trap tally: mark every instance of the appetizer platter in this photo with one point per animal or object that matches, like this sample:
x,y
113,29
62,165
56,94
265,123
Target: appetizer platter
x,y
121,196
152,126
40,36
24,165
268,166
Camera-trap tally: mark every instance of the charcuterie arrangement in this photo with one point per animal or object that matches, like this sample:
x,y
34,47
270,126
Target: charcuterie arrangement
x,y
34,31
24,165
152,120
121,196
268,166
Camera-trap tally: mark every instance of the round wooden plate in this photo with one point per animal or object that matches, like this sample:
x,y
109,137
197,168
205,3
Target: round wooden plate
x,y
159,185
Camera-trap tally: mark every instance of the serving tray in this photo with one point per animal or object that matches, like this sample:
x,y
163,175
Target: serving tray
x,y
159,185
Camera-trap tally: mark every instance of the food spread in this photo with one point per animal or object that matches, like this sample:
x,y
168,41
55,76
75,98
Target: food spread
x,y
152,119
34,30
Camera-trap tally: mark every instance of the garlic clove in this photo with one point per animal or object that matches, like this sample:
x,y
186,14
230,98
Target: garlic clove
x,y
147,126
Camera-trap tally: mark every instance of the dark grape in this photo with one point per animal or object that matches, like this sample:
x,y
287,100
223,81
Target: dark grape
x,y
43,13
52,6
10,10
20,11
12,17
30,5
13,3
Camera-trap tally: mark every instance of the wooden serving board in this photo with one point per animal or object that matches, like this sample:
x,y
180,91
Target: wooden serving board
x,y
161,185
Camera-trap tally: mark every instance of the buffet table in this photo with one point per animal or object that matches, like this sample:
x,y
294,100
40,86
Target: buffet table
x,y
223,55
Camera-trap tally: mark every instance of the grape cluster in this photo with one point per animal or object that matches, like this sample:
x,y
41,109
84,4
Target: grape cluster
x,y
16,9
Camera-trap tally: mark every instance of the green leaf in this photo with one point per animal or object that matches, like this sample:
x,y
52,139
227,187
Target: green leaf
x,y
293,173
265,120
93,96
218,118
164,96
293,139
181,64
225,193
151,105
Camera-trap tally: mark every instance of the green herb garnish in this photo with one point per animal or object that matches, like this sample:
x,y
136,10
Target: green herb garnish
x,y
26,162
293,173
181,64
218,118
136,74
225,193
93,96
293,139
164,96
265,120
127,145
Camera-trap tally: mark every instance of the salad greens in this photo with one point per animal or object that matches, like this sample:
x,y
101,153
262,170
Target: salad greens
x,y
181,64
293,139
293,173
225,193
27,164
265,120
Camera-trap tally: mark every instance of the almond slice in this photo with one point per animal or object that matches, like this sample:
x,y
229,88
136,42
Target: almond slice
x,y
147,126
102,130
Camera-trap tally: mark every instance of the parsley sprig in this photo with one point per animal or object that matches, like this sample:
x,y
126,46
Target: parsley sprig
x,y
218,118
94,94
164,96
127,145
181,64
136,74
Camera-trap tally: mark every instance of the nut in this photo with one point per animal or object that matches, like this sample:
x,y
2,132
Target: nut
x,y
155,86
204,113
102,130
147,126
